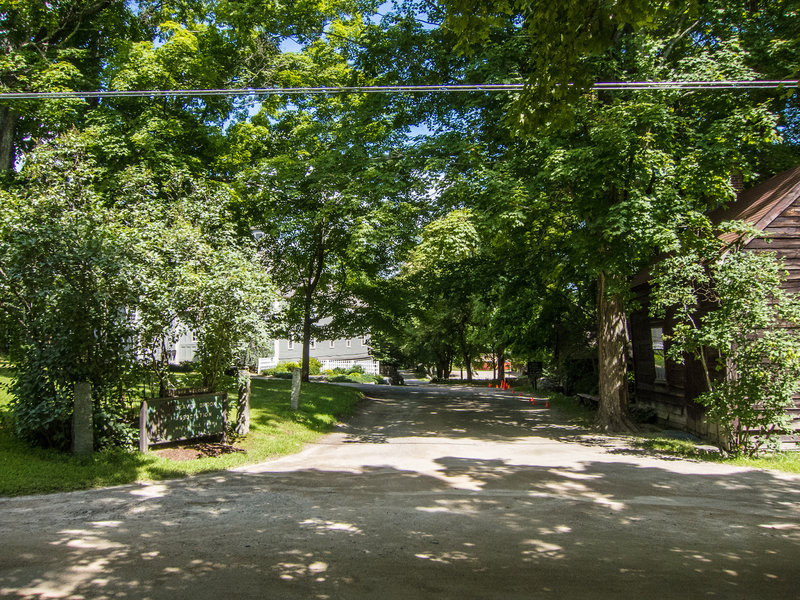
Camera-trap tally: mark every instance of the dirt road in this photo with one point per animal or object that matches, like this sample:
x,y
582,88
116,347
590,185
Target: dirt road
x,y
427,493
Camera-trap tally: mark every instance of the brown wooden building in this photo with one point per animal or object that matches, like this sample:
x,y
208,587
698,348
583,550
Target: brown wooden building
x,y
669,388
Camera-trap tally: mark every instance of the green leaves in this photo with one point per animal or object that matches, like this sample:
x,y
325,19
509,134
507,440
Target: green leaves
x,y
730,313
446,243
65,264
97,280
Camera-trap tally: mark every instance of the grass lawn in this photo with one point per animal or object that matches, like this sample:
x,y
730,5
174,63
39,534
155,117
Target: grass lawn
x,y
274,431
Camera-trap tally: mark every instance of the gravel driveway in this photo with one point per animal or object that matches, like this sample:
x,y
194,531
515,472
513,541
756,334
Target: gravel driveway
x,y
429,492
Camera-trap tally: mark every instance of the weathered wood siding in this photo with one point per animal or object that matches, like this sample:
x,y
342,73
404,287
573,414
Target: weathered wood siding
x,y
783,238
673,400
669,398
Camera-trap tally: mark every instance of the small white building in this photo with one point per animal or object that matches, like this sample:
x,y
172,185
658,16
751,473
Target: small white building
x,y
184,348
342,353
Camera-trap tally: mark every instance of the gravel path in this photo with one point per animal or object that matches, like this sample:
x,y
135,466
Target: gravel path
x,y
429,492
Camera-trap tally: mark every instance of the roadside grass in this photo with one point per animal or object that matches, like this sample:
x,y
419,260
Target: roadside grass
x,y
565,406
659,444
569,408
275,430
788,462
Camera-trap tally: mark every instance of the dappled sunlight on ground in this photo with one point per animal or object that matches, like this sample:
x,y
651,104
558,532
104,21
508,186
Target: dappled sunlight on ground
x,y
429,495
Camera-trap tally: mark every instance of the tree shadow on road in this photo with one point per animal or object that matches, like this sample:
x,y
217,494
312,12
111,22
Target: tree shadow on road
x,y
471,528
468,412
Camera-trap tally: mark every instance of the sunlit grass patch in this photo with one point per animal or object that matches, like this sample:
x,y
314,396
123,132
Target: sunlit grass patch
x,y
675,447
275,430
782,461
569,408
658,443
788,462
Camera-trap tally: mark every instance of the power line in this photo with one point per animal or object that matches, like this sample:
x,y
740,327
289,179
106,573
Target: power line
x,y
397,89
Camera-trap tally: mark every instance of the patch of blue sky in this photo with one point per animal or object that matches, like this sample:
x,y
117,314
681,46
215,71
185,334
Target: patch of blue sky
x,y
420,130
290,45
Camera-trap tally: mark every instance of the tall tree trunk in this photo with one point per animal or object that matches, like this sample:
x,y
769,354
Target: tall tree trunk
x,y
462,340
306,342
315,272
8,125
501,363
612,337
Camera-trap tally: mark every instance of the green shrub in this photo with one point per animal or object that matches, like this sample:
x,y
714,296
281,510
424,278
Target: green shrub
x,y
749,337
356,378
41,410
287,366
314,367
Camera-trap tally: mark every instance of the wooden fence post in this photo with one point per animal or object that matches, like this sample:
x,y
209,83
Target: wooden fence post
x,y
144,443
243,404
295,405
82,425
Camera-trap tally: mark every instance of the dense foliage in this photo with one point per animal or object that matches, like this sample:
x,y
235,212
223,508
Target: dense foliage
x,y
95,283
731,314
457,228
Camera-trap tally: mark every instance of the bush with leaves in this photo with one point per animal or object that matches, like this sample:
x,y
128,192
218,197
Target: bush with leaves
x,y
99,270
196,274
314,367
730,313
232,299
66,263
356,378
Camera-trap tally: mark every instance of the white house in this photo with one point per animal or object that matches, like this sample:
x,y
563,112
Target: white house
x,y
343,352
183,350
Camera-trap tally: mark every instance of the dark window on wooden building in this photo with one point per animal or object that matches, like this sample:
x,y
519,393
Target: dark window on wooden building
x,y
659,358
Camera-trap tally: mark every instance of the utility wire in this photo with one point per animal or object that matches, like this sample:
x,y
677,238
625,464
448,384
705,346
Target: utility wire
x,y
397,89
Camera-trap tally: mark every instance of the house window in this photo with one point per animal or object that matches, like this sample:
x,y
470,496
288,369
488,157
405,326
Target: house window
x,y
347,343
363,340
331,344
659,358
291,344
313,344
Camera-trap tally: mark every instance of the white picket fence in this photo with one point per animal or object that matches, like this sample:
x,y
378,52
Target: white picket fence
x,y
371,367
266,363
